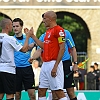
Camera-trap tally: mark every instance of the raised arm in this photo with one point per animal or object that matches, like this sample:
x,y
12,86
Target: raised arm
x,y
38,42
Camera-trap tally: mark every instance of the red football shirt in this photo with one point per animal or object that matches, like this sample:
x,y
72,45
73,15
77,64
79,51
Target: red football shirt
x,y
54,36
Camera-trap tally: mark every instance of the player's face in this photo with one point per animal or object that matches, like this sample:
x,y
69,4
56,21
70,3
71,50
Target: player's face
x,y
17,28
46,21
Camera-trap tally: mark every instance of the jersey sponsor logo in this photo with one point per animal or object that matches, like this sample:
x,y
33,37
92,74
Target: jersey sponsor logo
x,y
61,33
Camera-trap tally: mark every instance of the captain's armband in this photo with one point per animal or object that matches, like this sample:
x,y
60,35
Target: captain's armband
x,y
61,39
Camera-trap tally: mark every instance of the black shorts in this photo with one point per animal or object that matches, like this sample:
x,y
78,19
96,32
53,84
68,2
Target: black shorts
x,y
68,81
7,83
24,76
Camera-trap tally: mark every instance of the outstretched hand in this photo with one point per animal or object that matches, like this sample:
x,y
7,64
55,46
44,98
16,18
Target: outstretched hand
x,y
31,31
26,30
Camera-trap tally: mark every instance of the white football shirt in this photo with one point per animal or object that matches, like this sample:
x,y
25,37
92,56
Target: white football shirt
x,y
7,46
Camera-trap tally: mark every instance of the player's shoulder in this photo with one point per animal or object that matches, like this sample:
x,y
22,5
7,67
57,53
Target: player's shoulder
x,y
10,37
66,32
5,35
59,27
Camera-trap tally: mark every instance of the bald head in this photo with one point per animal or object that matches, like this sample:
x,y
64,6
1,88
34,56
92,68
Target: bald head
x,y
49,19
51,14
6,25
4,22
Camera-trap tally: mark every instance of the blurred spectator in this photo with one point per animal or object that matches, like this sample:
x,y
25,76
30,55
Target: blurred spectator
x,y
79,76
36,70
83,72
97,71
91,79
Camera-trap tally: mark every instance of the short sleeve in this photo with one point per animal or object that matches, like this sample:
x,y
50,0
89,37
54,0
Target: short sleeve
x,y
60,34
69,39
15,44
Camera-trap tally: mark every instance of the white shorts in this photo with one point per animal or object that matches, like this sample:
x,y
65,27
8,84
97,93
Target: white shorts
x,y
47,81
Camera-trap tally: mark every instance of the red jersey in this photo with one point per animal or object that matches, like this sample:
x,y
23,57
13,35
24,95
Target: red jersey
x,y
54,36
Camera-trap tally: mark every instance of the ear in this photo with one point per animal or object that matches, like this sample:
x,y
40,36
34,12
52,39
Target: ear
x,y
50,20
7,26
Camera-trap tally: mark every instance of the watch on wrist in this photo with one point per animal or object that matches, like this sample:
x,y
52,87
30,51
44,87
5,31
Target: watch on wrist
x,y
75,62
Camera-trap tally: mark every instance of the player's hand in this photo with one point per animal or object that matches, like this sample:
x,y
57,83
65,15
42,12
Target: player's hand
x,y
31,31
75,67
30,60
54,72
26,30
76,74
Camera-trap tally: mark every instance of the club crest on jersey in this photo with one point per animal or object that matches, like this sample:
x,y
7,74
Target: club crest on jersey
x,y
61,33
49,35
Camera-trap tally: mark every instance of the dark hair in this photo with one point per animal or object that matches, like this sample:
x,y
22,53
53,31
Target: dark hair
x,y
95,64
92,67
18,20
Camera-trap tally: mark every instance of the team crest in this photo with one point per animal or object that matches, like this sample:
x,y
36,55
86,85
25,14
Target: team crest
x,y
61,33
49,35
